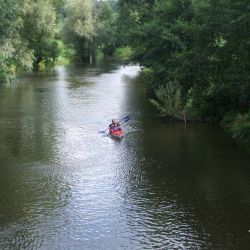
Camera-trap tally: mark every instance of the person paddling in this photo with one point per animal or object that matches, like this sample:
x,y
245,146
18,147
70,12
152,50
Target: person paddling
x,y
114,126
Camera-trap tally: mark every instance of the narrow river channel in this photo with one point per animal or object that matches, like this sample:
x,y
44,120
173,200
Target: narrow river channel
x,y
64,186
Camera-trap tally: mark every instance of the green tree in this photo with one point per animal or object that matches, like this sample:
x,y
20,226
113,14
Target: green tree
x,y
14,51
202,45
79,28
39,23
106,26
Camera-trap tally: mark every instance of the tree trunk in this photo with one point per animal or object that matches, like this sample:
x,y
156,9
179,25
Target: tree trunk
x,y
91,52
36,63
184,117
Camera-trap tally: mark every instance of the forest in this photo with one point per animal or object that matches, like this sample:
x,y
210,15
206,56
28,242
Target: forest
x,y
195,55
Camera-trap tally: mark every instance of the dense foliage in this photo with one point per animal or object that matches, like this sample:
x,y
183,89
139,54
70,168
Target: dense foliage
x,y
13,48
35,33
195,54
201,46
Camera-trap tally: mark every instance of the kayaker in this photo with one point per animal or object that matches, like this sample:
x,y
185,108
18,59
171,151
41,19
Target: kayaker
x,y
115,125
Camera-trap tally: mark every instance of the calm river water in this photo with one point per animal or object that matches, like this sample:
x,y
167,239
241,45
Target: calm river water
x,y
64,186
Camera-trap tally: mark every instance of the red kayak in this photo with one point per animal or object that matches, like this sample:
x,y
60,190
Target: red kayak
x,y
118,134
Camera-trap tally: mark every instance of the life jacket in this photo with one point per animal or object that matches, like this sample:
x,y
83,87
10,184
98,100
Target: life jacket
x,y
114,127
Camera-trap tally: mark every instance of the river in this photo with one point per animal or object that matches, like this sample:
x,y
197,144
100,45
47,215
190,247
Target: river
x,y
65,186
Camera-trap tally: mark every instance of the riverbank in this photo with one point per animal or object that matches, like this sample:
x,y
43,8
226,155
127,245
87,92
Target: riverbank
x,y
170,102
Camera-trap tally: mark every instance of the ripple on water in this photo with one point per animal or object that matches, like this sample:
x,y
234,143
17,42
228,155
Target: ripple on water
x,y
64,186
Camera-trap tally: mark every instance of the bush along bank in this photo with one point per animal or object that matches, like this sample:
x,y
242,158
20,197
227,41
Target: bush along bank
x,y
169,102
196,55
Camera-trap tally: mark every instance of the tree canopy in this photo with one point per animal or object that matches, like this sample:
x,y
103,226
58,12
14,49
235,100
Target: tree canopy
x,y
202,47
196,50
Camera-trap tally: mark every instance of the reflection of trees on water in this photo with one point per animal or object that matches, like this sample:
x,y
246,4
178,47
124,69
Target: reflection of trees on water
x,y
188,180
31,192
80,75
26,114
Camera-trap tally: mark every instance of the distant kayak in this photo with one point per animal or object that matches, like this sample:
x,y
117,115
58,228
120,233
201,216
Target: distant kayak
x,y
118,134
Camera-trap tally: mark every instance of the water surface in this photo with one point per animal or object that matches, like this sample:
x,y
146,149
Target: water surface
x,y
64,186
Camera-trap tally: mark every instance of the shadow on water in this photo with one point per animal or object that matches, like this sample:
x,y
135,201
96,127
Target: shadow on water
x,y
31,195
195,181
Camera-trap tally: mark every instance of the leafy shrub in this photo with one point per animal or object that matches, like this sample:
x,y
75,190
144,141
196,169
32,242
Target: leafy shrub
x,y
168,100
241,127
228,119
124,53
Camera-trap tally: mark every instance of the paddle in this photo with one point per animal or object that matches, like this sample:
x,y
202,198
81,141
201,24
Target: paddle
x,y
123,120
